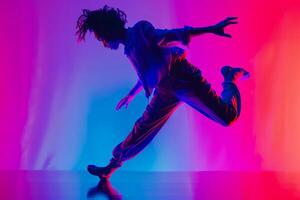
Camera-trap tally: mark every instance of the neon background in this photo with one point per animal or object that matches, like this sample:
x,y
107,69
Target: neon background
x,y
58,97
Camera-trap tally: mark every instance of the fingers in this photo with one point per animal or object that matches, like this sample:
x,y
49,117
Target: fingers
x,y
120,104
123,102
232,23
221,26
227,35
231,18
118,107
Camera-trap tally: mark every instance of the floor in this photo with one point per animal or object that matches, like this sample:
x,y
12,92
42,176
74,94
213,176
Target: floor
x,y
45,185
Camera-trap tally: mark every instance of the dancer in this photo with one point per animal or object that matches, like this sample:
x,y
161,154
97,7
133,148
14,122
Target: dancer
x,y
163,72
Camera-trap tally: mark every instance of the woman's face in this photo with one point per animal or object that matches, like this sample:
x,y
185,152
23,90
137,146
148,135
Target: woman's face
x,y
107,44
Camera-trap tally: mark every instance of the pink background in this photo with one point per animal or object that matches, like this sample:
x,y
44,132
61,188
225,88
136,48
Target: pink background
x,y
58,96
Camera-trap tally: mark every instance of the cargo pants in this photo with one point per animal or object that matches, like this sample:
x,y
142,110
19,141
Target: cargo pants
x,y
184,84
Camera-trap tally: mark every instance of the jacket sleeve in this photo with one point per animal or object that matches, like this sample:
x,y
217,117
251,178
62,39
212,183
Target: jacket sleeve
x,y
164,36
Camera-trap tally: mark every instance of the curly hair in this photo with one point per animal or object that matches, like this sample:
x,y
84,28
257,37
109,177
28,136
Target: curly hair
x,y
106,22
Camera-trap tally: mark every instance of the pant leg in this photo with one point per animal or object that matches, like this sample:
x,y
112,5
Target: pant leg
x,y
157,112
194,90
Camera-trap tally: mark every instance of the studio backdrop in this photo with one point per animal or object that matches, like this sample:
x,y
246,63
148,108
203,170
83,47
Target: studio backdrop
x,y
58,96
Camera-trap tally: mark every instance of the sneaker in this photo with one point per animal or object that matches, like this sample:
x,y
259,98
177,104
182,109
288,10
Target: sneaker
x,y
233,74
101,172
104,172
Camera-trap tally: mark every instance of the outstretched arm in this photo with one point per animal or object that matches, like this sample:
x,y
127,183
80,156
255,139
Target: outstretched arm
x,y
217,29
128,98
164,36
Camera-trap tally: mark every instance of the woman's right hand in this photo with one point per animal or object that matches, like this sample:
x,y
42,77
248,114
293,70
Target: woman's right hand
x,y
125,101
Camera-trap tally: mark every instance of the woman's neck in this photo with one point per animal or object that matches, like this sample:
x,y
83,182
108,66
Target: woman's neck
x,y
123,36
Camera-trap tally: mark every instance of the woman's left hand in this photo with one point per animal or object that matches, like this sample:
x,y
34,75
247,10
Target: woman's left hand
x,y
219,27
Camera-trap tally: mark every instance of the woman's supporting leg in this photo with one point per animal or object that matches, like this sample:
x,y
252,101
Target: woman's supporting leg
x,y
159,110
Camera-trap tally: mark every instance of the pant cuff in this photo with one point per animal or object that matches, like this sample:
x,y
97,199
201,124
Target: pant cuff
x,y
115,163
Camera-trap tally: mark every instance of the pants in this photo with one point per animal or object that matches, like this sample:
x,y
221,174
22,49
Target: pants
x,y
184,84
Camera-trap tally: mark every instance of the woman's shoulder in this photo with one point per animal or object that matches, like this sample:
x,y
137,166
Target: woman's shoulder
x,y
144,24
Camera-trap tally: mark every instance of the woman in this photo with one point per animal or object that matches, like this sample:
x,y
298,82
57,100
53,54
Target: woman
x,y
163,71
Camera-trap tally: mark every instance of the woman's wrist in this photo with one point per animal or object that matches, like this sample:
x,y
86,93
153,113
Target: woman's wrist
x,y
201,30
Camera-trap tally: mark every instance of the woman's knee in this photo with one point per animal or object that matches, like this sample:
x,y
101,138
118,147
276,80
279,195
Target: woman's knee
x,y
229,120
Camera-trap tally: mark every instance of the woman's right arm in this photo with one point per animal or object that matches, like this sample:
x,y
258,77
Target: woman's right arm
x,y
126,100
